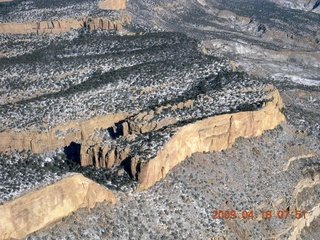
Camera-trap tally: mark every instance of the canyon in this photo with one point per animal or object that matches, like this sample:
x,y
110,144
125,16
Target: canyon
x,y
43,209
175,108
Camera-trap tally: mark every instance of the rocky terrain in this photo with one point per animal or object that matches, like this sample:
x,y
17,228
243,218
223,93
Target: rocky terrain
x,y
306,5
152,104
49,205
40,17
261,37
181,206
128,90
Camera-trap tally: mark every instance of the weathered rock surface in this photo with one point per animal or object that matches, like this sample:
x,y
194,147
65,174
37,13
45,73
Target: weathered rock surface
x,y
167,120
209,135
60,136
50,204
149,164
61,26
113,4
256,174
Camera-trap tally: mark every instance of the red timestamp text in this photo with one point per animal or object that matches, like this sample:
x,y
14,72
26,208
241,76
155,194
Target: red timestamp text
x,y
250,214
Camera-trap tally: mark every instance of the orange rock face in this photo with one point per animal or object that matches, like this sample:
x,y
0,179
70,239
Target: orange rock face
x,y
62,26
46,142
43,207
113,4
209,135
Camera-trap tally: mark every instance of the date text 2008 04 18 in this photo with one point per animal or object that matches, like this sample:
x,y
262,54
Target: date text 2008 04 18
x,y
245,214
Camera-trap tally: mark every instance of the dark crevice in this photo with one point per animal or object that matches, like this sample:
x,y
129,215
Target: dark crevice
x,y
117,131
73,152
126,163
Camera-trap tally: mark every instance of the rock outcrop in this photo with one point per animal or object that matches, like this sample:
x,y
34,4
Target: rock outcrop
x,y
113,5
209,135
50,204
62,26
60,136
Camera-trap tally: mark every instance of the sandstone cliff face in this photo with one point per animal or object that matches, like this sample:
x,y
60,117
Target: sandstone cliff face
x,y
62,26
209,135
59,136
50,204
113,4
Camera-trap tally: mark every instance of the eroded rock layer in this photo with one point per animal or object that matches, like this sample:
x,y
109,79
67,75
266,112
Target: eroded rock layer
x,y
209,135
113,4
60,26
40,17
256,33
50,204
150,148
58,137
129,113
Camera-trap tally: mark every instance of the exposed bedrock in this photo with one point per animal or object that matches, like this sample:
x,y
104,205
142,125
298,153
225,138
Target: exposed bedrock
x,y
210,134
268,32
306,198
261,61
61,26
113,4
50,204
60,136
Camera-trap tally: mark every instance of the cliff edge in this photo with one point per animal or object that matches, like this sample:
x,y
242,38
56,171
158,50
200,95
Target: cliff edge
x,y
209,135
50,204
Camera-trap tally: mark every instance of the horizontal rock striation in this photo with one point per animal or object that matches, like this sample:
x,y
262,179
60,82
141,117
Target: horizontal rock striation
x,y
209,135
137,110
50,204
252,36
150,144
60,136
61,26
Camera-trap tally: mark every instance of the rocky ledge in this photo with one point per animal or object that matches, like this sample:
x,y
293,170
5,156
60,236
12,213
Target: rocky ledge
x,y
148,115
50,204
145,104
62,26
36,18
150,144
